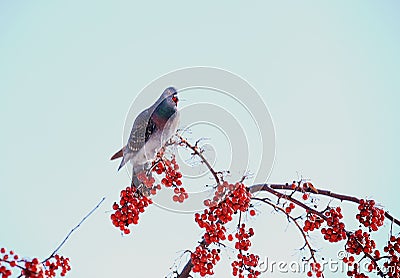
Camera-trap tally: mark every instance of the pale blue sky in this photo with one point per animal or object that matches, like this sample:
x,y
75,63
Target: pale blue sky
x,y
329,73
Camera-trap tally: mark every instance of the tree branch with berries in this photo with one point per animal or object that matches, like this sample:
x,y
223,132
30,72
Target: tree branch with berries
x,y
54,264
223,223
231,200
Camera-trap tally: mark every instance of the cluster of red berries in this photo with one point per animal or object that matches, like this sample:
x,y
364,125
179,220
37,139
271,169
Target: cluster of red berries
x,y
7,259
180,195
148,186
349,260
33,268
225,190
229,199
53,265
245,262
315,268
305,186
4,272
239,199
360,242
172,178
204,260
133,201
147,181
208,220
370,216
128,210
213,218
336,231
312,222
243,243
393,263
357,243
289,208
170,169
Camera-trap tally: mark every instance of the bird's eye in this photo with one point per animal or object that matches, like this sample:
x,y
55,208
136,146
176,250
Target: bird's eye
x,y
175,99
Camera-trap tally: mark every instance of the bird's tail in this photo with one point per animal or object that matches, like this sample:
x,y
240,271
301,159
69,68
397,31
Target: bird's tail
x,y
123,162
118,154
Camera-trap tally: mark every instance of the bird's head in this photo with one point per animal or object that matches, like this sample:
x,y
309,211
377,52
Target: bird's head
x,y
170,95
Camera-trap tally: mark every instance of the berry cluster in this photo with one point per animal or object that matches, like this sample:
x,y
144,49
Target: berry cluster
x,y
128,210
32,268
133,201
245,261
180,195
289,208
355,272
223,191
147,187
213,218
312,222
170,169
228,200
349,260
172,178
204,260
7,259
235,196
315,268
243,243
53,266
370,216
215,231
336,231
360,242
393,263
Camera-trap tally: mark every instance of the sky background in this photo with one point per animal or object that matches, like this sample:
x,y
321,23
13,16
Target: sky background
x,y
69,70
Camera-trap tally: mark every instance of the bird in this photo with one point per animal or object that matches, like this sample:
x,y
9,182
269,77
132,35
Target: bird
x,y
152,128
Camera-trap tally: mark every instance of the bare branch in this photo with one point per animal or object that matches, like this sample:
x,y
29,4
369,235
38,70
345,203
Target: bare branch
x,y
76,227
307,243
197,152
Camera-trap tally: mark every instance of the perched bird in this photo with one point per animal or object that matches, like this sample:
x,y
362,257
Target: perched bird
x,y
151,129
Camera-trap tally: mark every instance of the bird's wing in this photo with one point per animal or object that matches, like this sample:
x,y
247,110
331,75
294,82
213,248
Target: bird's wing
x,y
142,128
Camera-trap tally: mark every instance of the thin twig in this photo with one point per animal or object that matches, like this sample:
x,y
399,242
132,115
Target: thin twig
x,y
76,227
196,151
307,243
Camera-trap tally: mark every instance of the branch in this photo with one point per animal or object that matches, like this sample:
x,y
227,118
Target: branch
x,y
273,189
269,188
196,151
307,243
76,227
341,197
